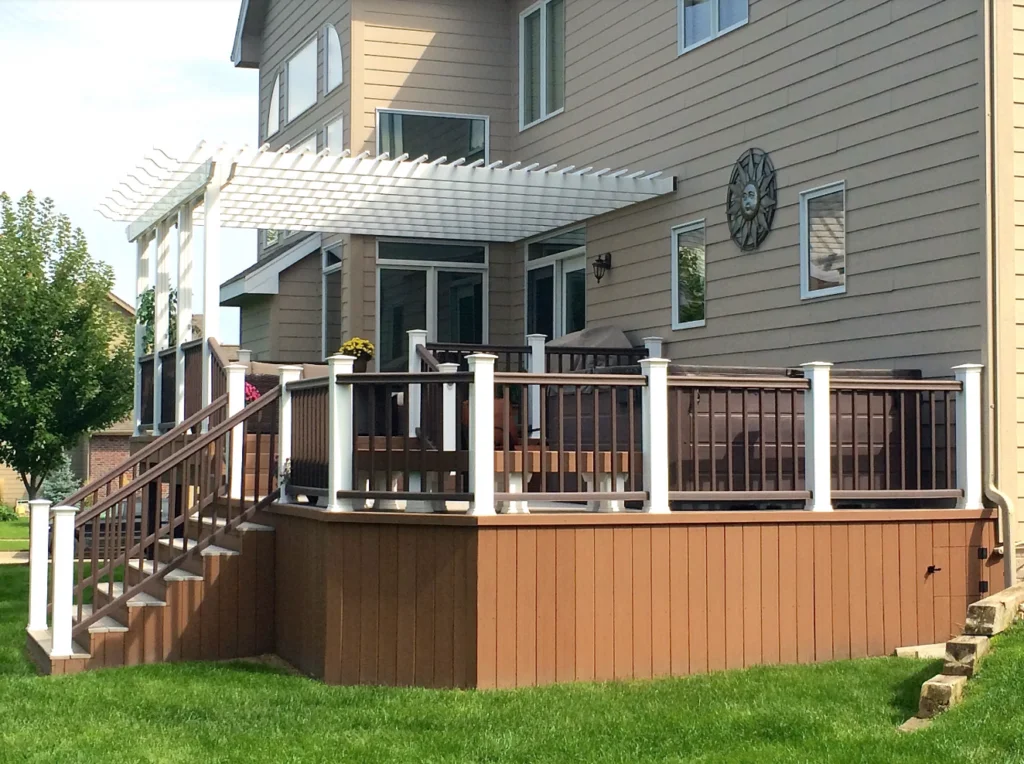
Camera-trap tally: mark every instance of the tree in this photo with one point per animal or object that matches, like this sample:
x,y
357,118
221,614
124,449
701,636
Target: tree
x,y
61,482
65,353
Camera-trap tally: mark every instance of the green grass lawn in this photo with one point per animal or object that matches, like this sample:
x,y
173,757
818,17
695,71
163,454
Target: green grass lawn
x,y
840,712
14,535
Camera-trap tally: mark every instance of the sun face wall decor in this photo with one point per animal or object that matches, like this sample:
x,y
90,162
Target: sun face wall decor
x,y
750,205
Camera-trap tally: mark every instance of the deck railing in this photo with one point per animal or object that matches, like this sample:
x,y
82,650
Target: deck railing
x,y
308,462
510,358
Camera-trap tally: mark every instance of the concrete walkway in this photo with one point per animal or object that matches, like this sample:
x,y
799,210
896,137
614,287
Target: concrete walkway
x,y
13,558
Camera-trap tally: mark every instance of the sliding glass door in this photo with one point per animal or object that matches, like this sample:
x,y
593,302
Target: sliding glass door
x,y
556,285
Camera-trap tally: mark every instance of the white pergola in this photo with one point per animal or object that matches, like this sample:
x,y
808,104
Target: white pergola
x,y
417,197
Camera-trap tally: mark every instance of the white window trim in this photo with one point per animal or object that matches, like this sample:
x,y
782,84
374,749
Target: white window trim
x,y
330,121
444,114
559,261
276,88
325,271
715,31
540,4
315,39
686,228
432,267
806,293
326,45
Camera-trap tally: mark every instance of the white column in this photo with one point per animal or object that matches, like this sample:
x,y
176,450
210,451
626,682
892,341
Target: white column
x,y
211,278
655,435
244,356
968,436
38,563
538,365
161,313
818,436
185,275
141,285
481,433
449,414
286,374
339,433
653,345
417,337
63,579
236,402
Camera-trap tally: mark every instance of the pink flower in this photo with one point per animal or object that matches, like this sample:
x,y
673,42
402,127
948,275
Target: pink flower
x,y
251,393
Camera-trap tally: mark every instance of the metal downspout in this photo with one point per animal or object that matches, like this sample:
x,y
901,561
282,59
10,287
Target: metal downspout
x,y
992,307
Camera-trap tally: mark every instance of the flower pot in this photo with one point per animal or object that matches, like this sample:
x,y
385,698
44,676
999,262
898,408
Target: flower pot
x,y
499,422
359,367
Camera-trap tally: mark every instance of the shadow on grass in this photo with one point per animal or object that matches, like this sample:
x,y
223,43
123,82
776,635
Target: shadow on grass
x,y
907,693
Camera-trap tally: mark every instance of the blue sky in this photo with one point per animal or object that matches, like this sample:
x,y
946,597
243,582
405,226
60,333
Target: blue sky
x,y
91,85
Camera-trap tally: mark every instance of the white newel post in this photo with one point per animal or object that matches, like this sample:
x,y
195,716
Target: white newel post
x,y
184,307
968,436
236,402
538,365
417,338
449,404
211,279
287,375
141,285
244,356
481,433
339,433
161,312
63,579
654,346
655,435
38,563
818,436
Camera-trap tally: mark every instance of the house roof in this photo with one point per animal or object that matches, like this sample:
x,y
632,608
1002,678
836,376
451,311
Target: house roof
x,y
262,278
122,304
376,196
248,45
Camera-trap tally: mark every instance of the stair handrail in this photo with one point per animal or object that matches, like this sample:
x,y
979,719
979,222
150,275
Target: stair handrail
x,y
142,454
177,458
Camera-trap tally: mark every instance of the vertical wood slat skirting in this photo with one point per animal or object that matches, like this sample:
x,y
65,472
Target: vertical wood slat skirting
x,y
439,604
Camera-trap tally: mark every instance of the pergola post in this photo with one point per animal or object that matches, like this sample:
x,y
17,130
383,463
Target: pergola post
x,y
161,313
141,285
211,281
184,307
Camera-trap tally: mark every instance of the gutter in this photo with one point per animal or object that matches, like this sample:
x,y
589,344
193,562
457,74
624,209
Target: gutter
x,y
993,391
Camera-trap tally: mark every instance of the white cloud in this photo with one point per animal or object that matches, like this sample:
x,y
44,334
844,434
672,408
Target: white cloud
x,y
91,85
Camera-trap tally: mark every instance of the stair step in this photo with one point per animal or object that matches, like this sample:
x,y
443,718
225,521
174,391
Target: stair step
x,y
105,625
210,551
220,522
178,574
45,641
139,600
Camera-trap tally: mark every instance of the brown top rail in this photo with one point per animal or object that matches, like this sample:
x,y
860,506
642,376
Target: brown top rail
x,y
192,344
191,449
471,348
146,358
582,379
909,385
168,352
401,378
307,384
741,383
219,352
428,358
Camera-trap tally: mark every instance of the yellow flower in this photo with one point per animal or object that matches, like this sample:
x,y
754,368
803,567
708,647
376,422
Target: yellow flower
x,y
358,348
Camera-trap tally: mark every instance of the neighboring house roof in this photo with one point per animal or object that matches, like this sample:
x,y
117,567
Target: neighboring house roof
x,y
124,306
263,277
245,53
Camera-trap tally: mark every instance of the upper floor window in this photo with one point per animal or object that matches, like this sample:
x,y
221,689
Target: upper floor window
x,y
703,20
334,135
689,275
541,62
301,84
332,59
823,241
274,115
436,135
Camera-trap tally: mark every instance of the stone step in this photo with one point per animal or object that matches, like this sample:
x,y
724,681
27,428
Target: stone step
x,y
995,614
940,693
963,654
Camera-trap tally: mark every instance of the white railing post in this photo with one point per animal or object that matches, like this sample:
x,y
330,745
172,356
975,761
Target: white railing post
x,y
449,415
184,334
38,564
286,374
481,433
236,402
211,273
63,580
968,436
417,338
654,346
339,433
818,436
537,365
244,356
161,317
655,435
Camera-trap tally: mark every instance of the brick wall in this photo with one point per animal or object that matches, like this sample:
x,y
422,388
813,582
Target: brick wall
x,y
106,452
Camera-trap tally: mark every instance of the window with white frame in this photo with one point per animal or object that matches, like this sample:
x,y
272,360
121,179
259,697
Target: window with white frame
x,y
333,72
823,241
556,284
330,305
703,20
689,275
541,61
274,112
301,80
433,134
334,135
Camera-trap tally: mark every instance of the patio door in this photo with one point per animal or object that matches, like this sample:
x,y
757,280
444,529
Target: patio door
x,y
438,287
556,285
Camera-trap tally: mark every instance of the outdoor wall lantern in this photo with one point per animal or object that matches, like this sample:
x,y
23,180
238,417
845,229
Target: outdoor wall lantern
x,y
602,265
